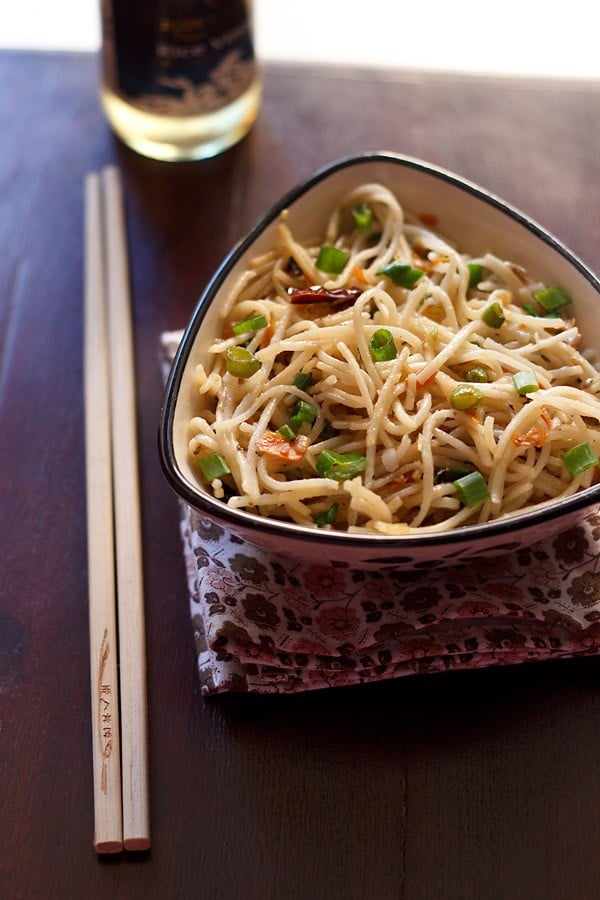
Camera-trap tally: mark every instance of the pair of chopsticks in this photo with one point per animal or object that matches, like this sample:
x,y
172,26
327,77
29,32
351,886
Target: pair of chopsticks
x,y
116,602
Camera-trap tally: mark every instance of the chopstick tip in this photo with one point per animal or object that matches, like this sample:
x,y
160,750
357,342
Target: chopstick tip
x,y
138,843
108,846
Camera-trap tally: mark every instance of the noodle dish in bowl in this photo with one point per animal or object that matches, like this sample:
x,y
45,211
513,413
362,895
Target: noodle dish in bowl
x,y
395,368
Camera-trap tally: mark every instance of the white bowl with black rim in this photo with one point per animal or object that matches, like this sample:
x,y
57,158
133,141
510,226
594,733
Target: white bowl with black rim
x,y
478,222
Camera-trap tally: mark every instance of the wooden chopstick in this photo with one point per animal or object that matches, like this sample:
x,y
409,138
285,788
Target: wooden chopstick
x,y
108,836
130,595
121,425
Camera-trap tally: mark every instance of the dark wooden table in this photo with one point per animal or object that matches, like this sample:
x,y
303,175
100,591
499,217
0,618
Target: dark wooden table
x,y
464,785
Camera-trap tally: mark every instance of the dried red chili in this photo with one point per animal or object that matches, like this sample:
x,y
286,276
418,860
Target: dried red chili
x,y
318,294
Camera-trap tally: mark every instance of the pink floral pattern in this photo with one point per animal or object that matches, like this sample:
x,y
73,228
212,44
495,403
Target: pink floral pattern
x,y
266,625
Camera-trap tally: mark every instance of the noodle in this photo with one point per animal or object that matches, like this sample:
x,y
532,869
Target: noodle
x,y
394,386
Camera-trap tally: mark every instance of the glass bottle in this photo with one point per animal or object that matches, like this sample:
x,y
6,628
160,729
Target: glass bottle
x,y
179,77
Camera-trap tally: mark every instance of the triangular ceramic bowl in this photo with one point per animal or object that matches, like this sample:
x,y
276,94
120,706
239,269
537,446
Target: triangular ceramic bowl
x,y
477,221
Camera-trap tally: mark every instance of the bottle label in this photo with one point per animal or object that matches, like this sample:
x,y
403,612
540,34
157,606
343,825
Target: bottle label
x,y
178,58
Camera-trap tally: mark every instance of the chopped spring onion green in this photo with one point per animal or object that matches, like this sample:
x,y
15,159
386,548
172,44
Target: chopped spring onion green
x,y
465,396
382,345
477,373
241,363
402,274
303,412
213,466
362,215
525,382
443,476
579,458
493,315
553,298
340,465
475,274
472,489
529,309
252,323
331,259
286,432
303,380
327,517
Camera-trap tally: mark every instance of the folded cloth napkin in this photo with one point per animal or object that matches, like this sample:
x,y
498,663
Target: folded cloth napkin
x,y
269,624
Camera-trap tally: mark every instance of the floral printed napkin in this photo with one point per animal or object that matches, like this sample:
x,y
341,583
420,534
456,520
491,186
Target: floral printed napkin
x,y
266,624
272,625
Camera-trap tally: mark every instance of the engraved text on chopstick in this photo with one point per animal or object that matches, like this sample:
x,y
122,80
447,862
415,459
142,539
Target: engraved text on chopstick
x,y
105,711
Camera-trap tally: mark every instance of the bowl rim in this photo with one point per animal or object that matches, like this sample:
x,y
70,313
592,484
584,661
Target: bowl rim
x,y
270,527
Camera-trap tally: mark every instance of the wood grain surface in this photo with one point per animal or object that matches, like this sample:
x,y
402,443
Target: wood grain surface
x,y
463,785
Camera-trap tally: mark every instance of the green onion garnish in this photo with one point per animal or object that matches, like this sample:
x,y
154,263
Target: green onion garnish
x,y
528,308
472,489
303,380
493,315
303,412
402,274
213,466
331,259
531,311
475,274
553,298
252,323
579,458
286,432
477,373
525,382
241,363
362,215
382,345
465,396
340,465
326,517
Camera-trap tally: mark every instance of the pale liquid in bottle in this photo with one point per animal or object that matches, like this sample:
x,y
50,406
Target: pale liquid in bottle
x,y
180,80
